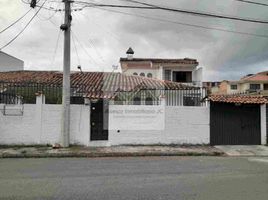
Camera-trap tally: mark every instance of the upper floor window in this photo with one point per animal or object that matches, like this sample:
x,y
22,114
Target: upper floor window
x,y
233,87
184,77
167,75
135,74
149,75
265,86
254,86
142,74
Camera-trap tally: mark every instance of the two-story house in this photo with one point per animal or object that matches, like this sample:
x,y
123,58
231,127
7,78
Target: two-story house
x,y
184,70
10,63
251,83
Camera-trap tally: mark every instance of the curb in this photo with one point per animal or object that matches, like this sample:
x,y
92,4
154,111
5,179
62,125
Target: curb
x,y
101,155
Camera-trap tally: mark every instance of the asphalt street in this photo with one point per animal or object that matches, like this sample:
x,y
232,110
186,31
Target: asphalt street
x,y
171,178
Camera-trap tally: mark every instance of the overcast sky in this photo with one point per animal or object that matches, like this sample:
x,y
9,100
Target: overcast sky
x,y
101,37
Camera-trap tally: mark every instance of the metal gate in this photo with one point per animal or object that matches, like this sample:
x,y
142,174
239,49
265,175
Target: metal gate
x,y
99,111
232,124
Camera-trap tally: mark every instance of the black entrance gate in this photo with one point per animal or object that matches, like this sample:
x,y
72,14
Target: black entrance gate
x,y
99,111
232,124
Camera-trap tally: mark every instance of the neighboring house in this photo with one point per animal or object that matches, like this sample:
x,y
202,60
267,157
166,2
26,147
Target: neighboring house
x,y
10,63
252,83
177,70
210,84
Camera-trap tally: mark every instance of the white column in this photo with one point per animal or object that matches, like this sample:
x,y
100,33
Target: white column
x,y
263,124
40,100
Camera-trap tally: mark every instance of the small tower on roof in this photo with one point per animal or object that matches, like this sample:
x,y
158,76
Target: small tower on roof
x,y
130,53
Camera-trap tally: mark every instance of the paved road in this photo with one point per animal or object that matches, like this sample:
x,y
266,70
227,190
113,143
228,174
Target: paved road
x,y
169,178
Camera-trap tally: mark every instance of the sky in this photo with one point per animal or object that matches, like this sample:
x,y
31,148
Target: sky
x,y
101,36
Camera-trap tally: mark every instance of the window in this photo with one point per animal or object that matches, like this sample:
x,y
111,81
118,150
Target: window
x,y
135,74
254,86
265,86
142,74
191,101
184,77
233,87
149,75
148,101
167,75
137,101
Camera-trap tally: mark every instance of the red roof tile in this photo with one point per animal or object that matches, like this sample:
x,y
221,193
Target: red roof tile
x,y
243,99
262,76
94,84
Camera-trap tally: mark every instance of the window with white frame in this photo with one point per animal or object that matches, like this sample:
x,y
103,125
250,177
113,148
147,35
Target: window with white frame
x,y
149,75
142,74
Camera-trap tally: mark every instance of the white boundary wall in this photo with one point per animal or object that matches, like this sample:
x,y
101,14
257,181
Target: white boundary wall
x,y
183,125
41,124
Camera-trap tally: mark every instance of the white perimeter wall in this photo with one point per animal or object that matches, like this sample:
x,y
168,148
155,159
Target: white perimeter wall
x,y
188,125
41,124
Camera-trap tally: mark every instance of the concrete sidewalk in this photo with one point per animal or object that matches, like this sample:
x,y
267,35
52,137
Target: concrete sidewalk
x,y
244,150
115,151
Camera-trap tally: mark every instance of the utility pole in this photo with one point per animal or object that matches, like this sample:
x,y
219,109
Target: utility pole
x,y
66,27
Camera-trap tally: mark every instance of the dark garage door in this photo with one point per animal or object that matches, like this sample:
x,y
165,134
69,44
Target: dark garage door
x,y
232,124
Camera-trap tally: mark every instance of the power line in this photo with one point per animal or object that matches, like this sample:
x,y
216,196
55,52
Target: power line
x,y
15,21
78,59
7,44
198,13
56,48
85,50
186,24
252,2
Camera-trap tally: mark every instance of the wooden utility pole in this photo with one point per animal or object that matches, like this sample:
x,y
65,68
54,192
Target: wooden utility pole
x,y
66,27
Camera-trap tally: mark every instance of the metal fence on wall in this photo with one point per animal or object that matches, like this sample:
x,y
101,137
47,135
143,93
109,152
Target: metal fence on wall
x,y
16,93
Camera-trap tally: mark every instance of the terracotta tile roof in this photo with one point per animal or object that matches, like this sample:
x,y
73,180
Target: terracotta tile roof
x,y
243,99
262,76
94,84
159,60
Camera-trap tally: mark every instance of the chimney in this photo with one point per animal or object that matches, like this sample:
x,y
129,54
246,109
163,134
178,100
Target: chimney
x,y
130,53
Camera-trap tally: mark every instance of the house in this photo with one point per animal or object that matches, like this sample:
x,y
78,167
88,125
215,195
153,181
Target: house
x,y
10,63
210,84
251,83
184,70
108,109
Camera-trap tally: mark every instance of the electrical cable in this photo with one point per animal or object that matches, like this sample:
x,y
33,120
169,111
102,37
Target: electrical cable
x,y
186,24
12,40
15,21
198,13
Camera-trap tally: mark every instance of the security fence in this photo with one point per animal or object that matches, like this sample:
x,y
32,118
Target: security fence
x,y
25,93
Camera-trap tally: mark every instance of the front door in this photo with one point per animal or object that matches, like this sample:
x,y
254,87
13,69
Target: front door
x,y
99,111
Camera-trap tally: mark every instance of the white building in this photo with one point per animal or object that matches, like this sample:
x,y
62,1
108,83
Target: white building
x,y
177,70
10,63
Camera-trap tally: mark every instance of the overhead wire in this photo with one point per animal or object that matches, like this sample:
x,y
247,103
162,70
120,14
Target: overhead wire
x,y
56,48
253,2
12,24
186,24
12,40
199,13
